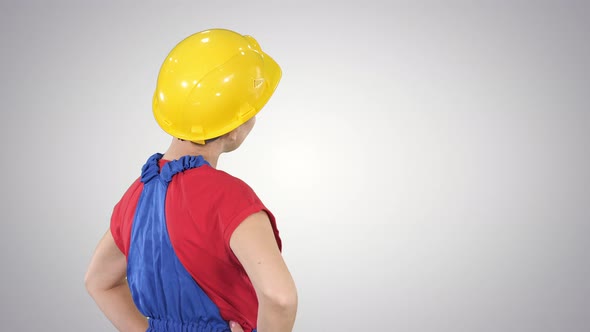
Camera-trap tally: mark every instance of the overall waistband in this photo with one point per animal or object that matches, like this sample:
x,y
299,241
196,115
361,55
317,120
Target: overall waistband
x,y
164,325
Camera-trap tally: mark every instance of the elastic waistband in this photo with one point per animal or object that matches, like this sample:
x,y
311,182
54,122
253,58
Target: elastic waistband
x,y
163,325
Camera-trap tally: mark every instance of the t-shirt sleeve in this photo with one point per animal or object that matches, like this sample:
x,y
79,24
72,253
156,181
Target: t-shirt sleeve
x,y
116,226
241,201
122,216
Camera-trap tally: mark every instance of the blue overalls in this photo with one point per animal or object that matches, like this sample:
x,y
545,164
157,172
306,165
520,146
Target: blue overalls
x,y
161,287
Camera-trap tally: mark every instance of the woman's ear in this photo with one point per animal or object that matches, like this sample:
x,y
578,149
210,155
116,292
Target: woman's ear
x,y
233,135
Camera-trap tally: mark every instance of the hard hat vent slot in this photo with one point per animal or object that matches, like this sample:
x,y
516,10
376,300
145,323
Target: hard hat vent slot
x,y
258,82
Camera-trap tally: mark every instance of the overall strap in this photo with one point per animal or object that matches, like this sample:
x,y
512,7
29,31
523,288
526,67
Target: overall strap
x,y
161,287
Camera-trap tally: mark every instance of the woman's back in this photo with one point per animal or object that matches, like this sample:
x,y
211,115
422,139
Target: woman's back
x,y
201,207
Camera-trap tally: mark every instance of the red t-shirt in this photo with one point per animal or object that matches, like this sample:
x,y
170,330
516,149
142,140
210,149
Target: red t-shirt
x,y
203,208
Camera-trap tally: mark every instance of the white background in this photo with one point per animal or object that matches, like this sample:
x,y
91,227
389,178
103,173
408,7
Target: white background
x,y
428,163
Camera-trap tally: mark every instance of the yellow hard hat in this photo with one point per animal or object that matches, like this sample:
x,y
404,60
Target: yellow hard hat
x,y
211,83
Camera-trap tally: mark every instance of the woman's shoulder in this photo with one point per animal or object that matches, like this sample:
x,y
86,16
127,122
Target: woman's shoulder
x,y
216,187
219,179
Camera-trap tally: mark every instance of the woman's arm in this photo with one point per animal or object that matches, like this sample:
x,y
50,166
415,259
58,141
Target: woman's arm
x,y
254,244
106,283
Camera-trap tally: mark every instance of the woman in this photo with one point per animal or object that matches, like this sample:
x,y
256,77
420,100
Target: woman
x,y
191,248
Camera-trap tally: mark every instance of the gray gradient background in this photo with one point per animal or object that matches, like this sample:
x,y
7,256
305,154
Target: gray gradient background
x,y
428,162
